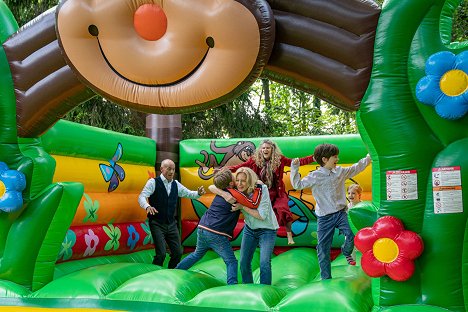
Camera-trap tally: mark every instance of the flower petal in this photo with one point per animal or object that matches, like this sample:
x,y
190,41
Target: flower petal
x,y
14,180
365,239
3,167
428,90
400,270
11,201
439,63
461,62
452,107
410,245
388,227
371,266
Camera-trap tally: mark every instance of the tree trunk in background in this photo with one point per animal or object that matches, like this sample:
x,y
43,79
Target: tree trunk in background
x,y
266,91
166,130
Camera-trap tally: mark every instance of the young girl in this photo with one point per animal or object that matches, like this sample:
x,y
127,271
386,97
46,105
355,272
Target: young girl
x,y
354,195
268,163
260,225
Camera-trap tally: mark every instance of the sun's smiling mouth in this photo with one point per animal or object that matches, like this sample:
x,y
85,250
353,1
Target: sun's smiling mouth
x,y
93,30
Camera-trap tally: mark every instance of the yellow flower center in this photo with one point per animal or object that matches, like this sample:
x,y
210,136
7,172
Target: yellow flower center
x,y
385,250
454,82
2,189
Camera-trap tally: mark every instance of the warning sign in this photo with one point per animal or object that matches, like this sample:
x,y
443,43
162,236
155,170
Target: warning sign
x,y
402,185
447,190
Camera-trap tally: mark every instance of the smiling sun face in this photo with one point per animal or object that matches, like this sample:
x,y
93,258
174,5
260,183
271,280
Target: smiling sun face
x,y
166,56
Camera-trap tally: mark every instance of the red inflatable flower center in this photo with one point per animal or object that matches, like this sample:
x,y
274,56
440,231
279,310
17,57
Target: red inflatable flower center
x,y
385,250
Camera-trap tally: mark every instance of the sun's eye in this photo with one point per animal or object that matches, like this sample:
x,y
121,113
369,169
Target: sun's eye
x,y
210,42
93,30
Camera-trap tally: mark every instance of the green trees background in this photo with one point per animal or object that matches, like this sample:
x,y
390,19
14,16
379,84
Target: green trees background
x,y
266,109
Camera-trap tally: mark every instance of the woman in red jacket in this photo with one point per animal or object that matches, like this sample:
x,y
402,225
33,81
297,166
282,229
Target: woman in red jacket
x,y
268,163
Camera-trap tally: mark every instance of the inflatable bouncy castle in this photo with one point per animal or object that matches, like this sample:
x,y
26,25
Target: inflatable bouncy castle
x,y
71,232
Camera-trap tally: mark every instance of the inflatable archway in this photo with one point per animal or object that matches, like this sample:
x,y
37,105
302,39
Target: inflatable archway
x,y
408,87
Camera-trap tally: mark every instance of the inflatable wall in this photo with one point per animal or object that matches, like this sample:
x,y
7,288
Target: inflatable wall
x,y
395,65
198,158
113,169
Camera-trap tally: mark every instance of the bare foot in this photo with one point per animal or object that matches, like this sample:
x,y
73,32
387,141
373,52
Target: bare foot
x,y
290,238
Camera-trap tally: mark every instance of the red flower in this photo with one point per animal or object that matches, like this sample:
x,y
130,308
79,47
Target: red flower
x,y
388,249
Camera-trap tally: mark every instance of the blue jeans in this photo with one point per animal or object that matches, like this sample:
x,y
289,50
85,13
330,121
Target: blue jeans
x,y
325,229
207,240
265,238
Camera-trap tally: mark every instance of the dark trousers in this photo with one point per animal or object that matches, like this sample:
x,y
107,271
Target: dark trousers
x,y
166,234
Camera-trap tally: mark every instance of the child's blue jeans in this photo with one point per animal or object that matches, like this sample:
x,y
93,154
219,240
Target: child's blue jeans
x,y
207,240
325,229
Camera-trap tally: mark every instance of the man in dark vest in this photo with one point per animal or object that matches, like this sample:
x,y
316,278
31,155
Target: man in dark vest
x,y
159,198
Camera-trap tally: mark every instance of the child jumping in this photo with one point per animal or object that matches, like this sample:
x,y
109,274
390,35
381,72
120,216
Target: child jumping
x,y
328,189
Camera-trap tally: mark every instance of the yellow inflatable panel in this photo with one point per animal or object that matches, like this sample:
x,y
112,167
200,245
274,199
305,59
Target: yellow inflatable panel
x,y
103,208
88,172
190,178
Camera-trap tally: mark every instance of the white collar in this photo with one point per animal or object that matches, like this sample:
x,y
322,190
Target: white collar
x,y
163,178
327,171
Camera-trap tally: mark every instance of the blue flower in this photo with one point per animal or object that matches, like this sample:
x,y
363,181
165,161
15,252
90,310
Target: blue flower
x,y
12,183
133,236
445,85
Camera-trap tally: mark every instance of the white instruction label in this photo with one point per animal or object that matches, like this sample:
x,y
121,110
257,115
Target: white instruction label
x,y
402,185
447,190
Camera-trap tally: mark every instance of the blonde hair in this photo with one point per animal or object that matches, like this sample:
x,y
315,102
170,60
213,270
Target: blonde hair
x,y
251,178
271,166
355,187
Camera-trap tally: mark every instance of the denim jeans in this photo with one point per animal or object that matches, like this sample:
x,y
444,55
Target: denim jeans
x,y
265,238
325,229
207,240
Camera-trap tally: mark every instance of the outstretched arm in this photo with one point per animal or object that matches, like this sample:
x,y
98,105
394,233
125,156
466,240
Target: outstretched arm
x,y
295,177
302,161
249,163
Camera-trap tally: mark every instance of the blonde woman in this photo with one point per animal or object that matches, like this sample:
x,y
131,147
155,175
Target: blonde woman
x,y
260,225
268,163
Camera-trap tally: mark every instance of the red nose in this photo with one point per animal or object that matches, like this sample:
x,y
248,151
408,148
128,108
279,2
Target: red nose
x,y
150,22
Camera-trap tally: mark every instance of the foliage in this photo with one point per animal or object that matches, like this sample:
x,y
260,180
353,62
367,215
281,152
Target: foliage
x,y
460,23
238,118
26,10
269,109
98,112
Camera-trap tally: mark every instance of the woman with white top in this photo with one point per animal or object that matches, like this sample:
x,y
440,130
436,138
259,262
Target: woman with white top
x,y
260,225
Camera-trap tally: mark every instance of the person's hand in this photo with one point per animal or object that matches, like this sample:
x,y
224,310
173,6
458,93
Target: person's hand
x,y
295,161
151,210
201,191
236,207
229,198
